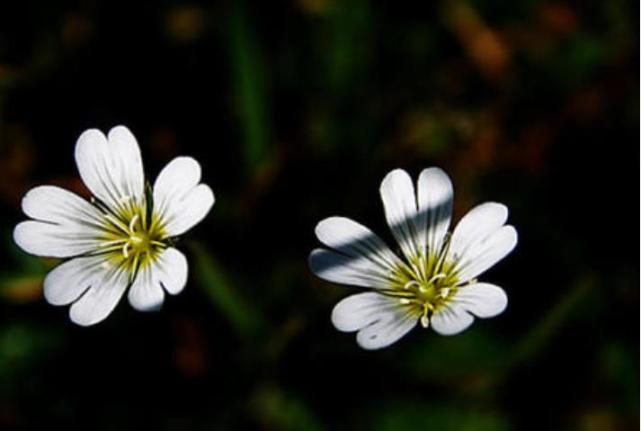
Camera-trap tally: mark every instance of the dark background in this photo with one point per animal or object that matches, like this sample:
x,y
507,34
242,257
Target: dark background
x,y
297,110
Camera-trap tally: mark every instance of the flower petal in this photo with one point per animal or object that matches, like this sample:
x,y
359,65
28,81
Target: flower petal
x,y
353,271
479,299
482,299
191,210
178,198
66,282
475,226
53,204
66,225
484,254
451,319
399,200
52,240
101,298
169,270
435,195
146,293
111,167
172,270
356,241
380,320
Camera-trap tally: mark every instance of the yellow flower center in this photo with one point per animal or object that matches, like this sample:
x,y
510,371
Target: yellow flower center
x,y
425,284
133,236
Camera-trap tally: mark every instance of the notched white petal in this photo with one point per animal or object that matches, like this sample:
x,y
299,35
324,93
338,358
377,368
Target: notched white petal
x,y
451,320
353,239
399,201
56,205
126,153
482,299
475,226
168,271
179,200
66,282
180,175
379,320
349,270
172,270
111,168
191,210
52,240
484,254
146,293
100,299
435,196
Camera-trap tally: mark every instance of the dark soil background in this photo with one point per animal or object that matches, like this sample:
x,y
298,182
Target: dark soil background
x,y
296,110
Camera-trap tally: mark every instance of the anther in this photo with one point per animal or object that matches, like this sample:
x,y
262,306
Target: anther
x,y
425,321
445,292
125,250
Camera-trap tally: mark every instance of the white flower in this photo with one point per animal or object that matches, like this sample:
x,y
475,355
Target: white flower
x,y
123,237
435,283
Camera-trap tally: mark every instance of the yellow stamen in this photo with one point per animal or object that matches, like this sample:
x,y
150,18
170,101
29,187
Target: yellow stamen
x,y
411,283
436,277
132,223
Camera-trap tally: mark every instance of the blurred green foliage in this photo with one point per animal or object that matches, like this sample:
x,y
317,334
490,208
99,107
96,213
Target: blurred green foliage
x,y
411,415
24,346
211,277
250,87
